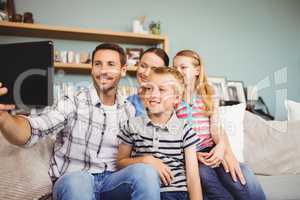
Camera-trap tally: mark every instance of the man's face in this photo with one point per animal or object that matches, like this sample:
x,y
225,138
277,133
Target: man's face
x,y
159,93
107,70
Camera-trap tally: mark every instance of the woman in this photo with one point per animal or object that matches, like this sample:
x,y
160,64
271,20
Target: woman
x,y
153,57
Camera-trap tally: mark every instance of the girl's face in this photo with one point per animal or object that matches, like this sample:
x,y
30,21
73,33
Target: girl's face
x,y
186,67
147,61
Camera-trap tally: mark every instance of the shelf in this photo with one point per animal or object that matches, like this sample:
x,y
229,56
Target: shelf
x,y
66,66
68,33
84,68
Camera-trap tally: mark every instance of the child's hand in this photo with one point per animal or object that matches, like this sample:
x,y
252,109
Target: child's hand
x,y
217,155
203,156
163,170
214,158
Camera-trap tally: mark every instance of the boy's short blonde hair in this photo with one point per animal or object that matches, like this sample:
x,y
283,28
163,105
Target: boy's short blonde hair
x,y
179,87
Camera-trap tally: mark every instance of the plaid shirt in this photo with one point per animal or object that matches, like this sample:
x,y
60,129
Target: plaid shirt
x,y
79,123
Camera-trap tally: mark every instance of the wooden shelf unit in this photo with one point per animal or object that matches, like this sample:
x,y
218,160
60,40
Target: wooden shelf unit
x,y
68,33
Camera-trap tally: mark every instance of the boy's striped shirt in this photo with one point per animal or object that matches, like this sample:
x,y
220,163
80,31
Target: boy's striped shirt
x,y
166,143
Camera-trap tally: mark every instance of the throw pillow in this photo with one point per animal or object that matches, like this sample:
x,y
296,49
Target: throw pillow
x,y
231,119
293,109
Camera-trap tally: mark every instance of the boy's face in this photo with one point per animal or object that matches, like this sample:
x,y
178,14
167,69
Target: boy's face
x,y
107,70
159,93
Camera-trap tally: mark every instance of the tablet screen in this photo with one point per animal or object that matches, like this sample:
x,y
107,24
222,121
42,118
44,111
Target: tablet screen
x,y
27,72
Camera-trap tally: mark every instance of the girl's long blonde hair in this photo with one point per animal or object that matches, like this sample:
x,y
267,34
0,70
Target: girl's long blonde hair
x,y
203,88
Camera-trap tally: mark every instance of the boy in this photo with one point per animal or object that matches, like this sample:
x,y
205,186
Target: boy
x,y
160,139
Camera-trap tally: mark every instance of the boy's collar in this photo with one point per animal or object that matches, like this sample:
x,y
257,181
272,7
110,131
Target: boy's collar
x,y
172,123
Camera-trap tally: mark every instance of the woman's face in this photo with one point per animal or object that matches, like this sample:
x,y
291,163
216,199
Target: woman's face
x,y
186,67
147,61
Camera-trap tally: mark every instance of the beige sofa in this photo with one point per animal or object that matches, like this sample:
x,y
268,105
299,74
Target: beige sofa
x,y
272,149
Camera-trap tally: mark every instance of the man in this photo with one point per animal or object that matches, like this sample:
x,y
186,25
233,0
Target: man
x,y
86,126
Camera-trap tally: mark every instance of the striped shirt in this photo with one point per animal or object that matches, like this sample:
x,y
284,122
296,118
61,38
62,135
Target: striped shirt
x,y
86,132
196,116
166,143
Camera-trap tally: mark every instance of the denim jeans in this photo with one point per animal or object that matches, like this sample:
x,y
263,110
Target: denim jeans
x,y
217,184
138,181
174,196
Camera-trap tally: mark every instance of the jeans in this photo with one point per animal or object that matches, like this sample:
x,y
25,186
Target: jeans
x,y
174,196
217,184
138,181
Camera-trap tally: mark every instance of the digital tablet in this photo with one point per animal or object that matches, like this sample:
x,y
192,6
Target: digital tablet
x,y
27,72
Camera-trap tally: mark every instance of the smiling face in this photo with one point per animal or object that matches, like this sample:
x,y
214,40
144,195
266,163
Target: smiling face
x,y
185,65
147,61
160,94
107,70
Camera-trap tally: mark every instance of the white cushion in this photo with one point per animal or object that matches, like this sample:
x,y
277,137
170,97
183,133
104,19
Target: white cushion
x,y
231,119
293,109
272,147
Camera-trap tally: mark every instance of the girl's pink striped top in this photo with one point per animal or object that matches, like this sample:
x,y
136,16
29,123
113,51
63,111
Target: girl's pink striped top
x,y
195,114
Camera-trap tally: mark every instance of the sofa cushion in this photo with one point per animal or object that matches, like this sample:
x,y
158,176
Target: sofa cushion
x,y
281,187
272,147
293,110
24,172
231,119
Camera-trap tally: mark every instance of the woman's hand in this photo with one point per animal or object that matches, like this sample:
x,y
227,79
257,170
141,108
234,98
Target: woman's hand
x,y
163,170
232,165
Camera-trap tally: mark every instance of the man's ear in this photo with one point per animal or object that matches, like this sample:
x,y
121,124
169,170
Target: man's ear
x,y
123,70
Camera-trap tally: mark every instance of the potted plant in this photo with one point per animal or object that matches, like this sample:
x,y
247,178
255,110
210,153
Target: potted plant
x,y
155,27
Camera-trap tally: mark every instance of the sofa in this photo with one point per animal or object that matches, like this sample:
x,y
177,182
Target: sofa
x,y
271,149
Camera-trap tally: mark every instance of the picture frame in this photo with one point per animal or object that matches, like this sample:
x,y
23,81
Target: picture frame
x,y
219,85
3,11
236,92
133,56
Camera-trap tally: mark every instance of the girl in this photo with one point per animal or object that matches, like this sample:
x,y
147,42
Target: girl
x,y
153,57
214,150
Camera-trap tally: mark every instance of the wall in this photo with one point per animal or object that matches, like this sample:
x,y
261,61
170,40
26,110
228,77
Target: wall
x,y
255,41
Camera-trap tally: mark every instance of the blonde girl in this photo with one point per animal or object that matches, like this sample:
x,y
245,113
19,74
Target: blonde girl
x,y
223,177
